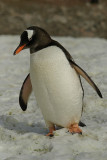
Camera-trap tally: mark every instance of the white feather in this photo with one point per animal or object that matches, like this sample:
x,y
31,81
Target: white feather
x,y
30,33
56,86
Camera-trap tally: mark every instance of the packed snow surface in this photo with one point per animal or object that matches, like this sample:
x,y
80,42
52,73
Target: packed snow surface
x,y
22,134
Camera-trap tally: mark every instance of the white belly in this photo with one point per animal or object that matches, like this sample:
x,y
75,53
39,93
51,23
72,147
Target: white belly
x,y
56,86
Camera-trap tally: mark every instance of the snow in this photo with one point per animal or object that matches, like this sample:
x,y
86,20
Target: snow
x,y
22,134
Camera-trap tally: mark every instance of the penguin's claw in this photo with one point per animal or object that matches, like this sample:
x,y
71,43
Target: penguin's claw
x,y
74,128
51,130
76,132
50,134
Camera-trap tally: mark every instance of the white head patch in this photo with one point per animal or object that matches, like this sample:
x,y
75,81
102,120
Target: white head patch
x,y
30,33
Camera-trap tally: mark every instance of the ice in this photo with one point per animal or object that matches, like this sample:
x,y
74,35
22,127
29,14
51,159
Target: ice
x,y
22,134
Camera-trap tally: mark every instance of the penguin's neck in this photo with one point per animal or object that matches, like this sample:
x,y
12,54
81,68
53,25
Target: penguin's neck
x,y
38,47
40,44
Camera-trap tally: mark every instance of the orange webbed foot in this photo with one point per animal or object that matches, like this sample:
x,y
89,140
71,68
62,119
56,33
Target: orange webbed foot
x,y
74,128
51,130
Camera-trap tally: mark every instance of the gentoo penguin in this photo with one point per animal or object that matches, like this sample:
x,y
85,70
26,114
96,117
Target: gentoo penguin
x,y
55,79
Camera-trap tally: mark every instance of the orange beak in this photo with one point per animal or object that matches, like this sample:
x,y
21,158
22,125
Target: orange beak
x,y
19,49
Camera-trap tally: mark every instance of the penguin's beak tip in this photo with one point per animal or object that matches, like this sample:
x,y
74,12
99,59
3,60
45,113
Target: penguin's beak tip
x,y
18,49
14,54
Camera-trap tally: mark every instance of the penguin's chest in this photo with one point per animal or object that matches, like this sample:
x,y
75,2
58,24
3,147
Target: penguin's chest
x,y
56,86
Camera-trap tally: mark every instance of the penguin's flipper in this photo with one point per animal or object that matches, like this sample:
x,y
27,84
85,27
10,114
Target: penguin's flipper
x,y
81,72
25,92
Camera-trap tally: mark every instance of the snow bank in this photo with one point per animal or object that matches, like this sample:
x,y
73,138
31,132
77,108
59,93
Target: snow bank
x,y
22,134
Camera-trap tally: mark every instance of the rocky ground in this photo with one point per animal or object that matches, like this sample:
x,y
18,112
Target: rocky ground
x,y
76,18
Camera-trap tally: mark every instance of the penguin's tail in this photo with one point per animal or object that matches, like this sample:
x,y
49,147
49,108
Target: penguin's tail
x,y
81,124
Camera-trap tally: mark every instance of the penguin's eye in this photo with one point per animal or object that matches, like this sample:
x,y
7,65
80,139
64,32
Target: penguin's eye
x,y
30,39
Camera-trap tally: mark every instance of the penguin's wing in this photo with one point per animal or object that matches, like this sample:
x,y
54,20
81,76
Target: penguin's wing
x,y
25,92
81,72
78,69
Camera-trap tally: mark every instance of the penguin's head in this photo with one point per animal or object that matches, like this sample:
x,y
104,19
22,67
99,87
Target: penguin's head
x,y
33,38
